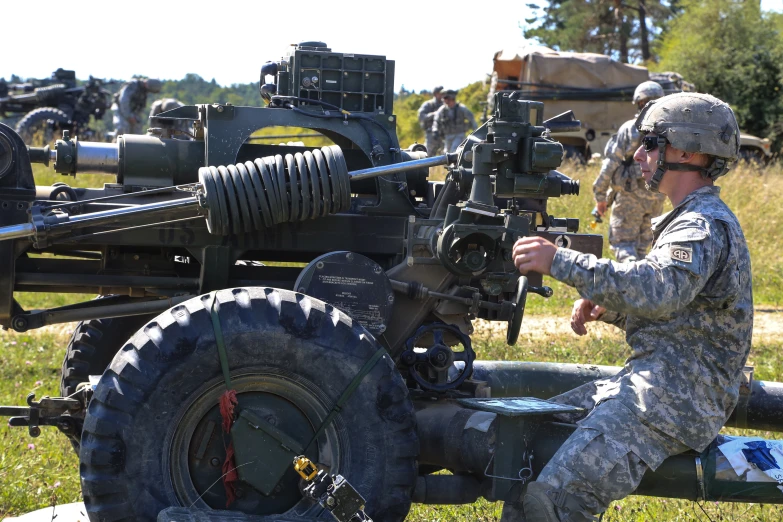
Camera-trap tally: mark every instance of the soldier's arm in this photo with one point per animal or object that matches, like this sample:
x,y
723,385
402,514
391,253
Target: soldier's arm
x,y
423,115
436,122
624,145
124,101
664,282
604,180
614,318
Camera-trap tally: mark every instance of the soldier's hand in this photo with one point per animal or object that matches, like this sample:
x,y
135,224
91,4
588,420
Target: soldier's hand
x,y
584,311
533,254
601,206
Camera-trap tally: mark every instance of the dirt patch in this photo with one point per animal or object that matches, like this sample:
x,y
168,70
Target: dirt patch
x,y
767,326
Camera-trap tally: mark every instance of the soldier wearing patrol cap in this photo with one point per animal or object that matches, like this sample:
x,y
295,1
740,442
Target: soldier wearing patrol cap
x,y
426,119
452,121
686,308
129,102
620,185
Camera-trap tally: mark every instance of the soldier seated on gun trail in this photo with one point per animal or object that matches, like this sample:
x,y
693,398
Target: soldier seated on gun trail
x,y
620,184
452,121
686,308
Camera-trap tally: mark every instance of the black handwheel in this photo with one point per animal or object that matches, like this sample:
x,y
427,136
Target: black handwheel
x,y
438,358
515,322
152,435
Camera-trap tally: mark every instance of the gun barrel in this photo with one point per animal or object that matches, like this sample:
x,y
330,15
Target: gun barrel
x,y
374,172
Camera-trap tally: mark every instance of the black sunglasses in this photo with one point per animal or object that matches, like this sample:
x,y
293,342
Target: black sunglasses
x,y
650,143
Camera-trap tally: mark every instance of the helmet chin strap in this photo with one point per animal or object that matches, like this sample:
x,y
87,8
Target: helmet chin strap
x,y
657,176
662,167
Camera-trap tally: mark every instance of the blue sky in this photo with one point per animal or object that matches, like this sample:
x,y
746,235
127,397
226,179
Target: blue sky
x,y
449,43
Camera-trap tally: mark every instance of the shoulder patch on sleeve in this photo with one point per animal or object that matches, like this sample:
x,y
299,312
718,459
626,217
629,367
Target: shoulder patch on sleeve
x,y
684,232
681,253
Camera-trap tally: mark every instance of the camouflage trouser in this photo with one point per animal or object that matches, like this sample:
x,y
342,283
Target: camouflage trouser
x,y
452,141
123,126
603,460
630,235
433,143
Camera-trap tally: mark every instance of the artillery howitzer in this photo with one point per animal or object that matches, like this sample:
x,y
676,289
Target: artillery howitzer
x,y
55,104
331,289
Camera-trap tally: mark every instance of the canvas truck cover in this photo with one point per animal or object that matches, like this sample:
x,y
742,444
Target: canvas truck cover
x,y
539,67
598,89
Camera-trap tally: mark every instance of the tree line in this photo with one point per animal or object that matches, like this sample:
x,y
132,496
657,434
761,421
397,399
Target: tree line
x,y
728,48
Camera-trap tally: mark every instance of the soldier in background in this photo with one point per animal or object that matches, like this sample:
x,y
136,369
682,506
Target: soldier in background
x,y
426,120
686,308
620,184
129,102
452,121
178,129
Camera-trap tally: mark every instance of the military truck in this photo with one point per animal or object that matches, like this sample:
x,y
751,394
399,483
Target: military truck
x,y
598,89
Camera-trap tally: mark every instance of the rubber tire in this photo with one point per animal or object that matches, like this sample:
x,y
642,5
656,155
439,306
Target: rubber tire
x,y
124,458
92,347
26,126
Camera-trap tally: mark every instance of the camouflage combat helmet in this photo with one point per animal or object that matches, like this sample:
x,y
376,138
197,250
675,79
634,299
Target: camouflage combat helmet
x,y
164,105
647,91
153,85
692,122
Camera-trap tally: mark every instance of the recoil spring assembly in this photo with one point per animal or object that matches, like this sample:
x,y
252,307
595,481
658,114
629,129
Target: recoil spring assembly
x,y
275,189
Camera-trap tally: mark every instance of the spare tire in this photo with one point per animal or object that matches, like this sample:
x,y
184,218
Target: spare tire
x,y
152,436
90,351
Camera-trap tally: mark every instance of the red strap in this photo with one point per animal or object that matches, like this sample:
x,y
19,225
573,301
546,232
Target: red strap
x,y
227,403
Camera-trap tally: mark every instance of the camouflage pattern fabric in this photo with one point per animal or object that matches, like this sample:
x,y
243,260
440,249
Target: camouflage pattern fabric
x,y
605,458
687,309
128,104
620,183
433,143
451,122
164,105
427,112
452,141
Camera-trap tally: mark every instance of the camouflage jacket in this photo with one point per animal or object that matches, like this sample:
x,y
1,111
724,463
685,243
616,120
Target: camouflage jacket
x,y
687,310
457,120
619,171
427,113
131,99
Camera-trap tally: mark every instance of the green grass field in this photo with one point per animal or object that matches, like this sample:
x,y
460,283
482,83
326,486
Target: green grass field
x,y
35,473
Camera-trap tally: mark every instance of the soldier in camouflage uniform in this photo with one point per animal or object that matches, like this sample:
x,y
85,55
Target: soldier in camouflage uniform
x,y
128,104
426,120
620,185
687,310
179,129
452,121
